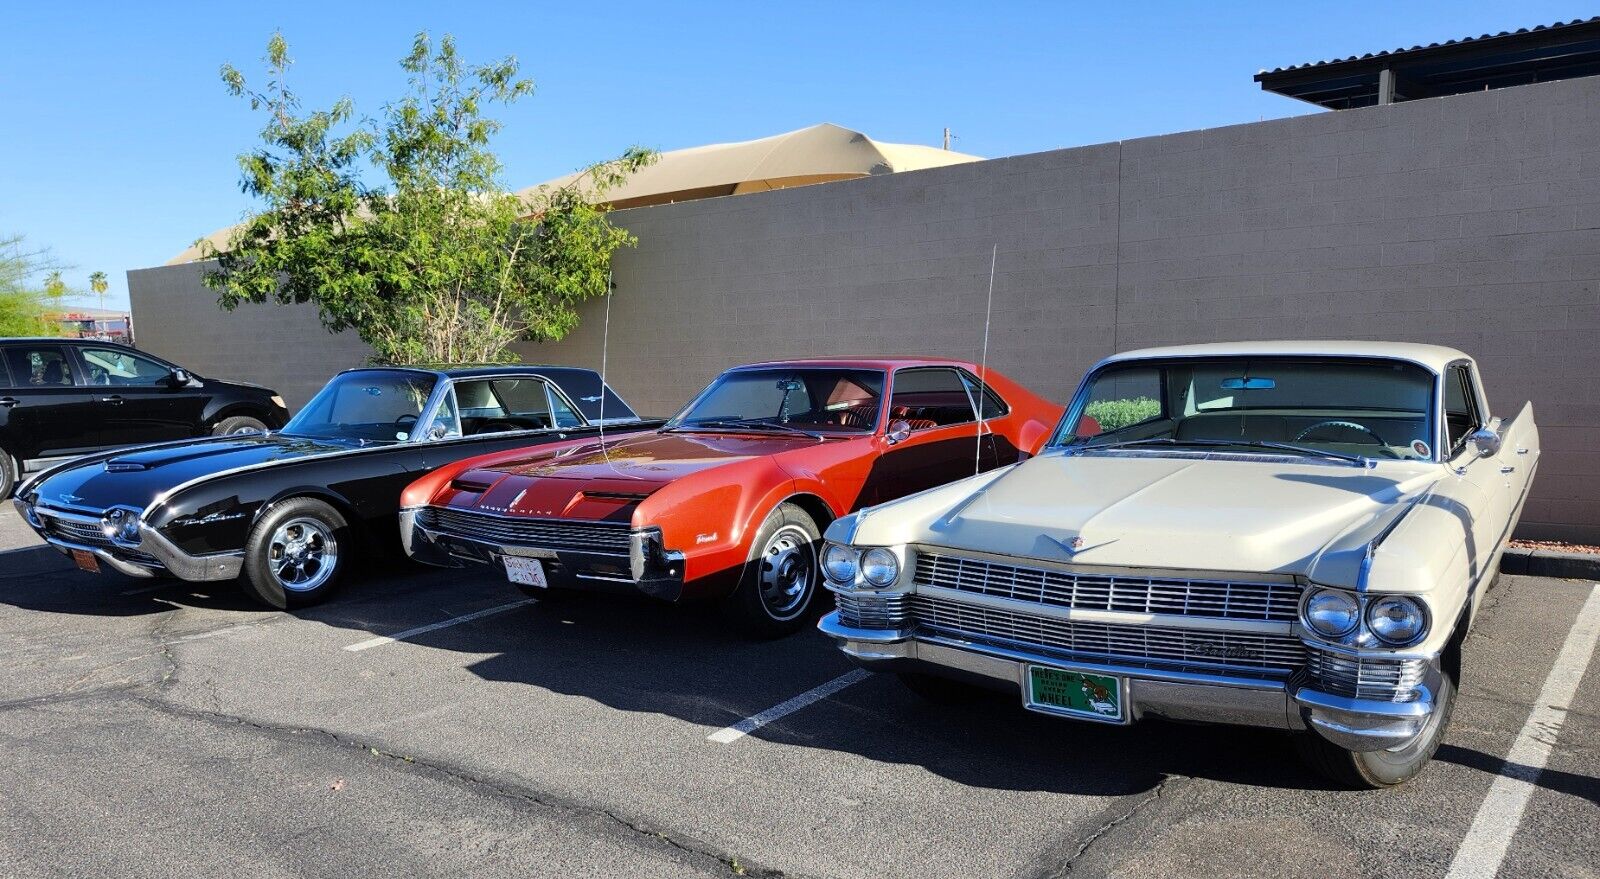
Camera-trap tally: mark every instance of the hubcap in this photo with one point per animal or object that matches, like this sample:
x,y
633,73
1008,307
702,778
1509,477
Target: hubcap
x,y
788,569
302,554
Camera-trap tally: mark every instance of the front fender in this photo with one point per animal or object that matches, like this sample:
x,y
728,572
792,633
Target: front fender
x,y
710,518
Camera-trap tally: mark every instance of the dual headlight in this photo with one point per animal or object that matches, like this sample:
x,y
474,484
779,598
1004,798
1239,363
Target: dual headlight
x,y
1395,620
121,524
878,566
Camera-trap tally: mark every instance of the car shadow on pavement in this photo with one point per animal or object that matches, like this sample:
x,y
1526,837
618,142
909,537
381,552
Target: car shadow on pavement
x,y
1571,783
684,662
40,578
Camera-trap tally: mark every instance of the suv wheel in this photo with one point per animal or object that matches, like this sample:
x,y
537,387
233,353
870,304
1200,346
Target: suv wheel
x,y
297,554
239,424
780,582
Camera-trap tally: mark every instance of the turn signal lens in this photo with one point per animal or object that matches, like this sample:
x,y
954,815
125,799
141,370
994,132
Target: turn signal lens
x,y
840,563
880,567
1397,620
1332,614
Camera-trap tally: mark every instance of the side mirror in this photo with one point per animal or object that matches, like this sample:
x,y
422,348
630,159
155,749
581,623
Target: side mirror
x,y
438,432
1486,440
181,377
899,432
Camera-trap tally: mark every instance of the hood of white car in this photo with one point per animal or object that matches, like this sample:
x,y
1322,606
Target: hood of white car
x,y
1153,511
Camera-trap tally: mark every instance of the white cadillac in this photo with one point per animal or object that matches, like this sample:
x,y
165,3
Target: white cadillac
x,y
1293,535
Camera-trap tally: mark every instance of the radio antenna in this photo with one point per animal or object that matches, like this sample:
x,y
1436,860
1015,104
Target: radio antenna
x,y
605,343
983,365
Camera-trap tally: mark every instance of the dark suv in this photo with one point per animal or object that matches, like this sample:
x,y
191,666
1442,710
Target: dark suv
x,y
61,398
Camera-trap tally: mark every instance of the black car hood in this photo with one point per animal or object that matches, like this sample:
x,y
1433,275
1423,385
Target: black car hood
x,y
135,477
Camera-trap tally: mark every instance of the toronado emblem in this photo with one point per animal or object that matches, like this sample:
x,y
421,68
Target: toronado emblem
x,y
1076,544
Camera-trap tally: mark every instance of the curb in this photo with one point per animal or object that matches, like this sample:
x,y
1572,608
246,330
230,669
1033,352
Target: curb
x,y
1547,563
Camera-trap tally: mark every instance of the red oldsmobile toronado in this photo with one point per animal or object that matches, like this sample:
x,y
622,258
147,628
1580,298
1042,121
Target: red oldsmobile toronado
x,y
728,500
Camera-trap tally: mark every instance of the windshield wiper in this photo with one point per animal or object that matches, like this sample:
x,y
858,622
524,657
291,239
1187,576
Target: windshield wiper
x,y
750,424
1358,460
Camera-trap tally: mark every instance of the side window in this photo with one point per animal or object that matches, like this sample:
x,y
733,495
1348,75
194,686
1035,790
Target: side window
x,y
114,366
40,366
1461,413
563,414
993,406
928,398
524,400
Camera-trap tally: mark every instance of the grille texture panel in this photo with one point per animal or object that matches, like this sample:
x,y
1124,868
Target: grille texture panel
x,y
872,611
90,534
1386,680
1261,655
610,538
1219,599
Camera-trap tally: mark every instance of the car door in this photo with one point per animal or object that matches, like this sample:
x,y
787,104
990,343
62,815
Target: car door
x,y
48,412
942,445
142,401
1486,517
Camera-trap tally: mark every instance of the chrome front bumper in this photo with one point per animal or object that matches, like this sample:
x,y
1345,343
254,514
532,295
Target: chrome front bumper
x,y
162,553
1356,724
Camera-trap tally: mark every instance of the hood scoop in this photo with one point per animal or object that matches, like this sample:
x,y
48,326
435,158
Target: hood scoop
x,y
115,466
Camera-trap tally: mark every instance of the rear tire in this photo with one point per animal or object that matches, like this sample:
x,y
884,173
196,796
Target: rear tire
x,y
297,554
779,583
1369,770
9,472
239,424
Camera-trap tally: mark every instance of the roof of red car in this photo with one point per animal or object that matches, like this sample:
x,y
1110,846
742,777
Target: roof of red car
x,y
891,362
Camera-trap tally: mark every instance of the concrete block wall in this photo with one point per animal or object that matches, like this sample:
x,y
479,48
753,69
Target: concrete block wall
x,y
1471,221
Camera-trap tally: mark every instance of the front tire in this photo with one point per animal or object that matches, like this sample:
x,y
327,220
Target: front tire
x,y
1369,770
239,424
297,554
780,581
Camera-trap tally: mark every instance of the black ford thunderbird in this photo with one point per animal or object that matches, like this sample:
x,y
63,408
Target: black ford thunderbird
x,y
289,510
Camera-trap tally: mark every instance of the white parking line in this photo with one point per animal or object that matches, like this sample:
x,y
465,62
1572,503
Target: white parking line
x,y
443,624
1486,842
756,721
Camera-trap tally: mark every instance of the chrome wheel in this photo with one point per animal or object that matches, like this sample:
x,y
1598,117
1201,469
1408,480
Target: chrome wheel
x,y
302,554
788,567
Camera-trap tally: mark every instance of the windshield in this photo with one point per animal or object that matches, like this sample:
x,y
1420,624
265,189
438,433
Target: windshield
x,y
373,405
822,400
1371,408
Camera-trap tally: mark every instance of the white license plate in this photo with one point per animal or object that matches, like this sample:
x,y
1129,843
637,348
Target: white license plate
x,y
528,572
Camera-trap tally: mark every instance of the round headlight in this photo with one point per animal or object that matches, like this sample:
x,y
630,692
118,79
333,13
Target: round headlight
x,y
840,563
880,567
1397,619
1331,613
122,526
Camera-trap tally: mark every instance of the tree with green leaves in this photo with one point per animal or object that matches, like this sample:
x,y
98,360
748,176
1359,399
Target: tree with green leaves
x,y
98,283
439,263
25,305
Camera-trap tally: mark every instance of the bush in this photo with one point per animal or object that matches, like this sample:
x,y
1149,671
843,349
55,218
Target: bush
x,y
1114,414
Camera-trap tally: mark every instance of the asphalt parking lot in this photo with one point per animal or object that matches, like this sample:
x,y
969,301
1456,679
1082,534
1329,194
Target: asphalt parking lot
x,y
159,729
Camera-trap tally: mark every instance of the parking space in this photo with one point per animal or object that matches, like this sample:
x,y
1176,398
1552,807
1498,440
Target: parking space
x,y
474,732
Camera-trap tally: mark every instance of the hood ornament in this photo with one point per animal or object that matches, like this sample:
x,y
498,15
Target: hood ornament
x,y
1076,544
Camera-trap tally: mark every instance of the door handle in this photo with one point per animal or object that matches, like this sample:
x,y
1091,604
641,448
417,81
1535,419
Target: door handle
x,y
1508,469
113,400
7,402
1522,450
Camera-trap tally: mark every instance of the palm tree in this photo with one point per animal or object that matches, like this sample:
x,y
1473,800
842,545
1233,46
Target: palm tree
x,y
54,287
97,283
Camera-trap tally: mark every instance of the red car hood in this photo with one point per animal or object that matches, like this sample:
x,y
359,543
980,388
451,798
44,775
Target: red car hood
x,y
597,480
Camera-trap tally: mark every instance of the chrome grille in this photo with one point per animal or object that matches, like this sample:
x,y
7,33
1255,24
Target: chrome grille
x,y
885,610
1221,599
1387,680
1261,655
91,535
607,538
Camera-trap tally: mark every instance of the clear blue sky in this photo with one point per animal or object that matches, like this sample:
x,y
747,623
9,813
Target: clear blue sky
x,y
119,144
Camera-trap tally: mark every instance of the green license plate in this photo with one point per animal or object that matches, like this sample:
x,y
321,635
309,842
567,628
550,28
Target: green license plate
x,y
1074,693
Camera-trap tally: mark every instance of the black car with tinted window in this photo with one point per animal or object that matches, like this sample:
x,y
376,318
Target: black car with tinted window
x,y
62,398
289,509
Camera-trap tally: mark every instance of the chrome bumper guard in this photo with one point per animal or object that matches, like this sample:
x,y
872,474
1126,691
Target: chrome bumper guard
x,y
649,567
1356,724
164,555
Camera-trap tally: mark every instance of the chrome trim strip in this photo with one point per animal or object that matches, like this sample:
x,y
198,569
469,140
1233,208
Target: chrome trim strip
x,y
1110,570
